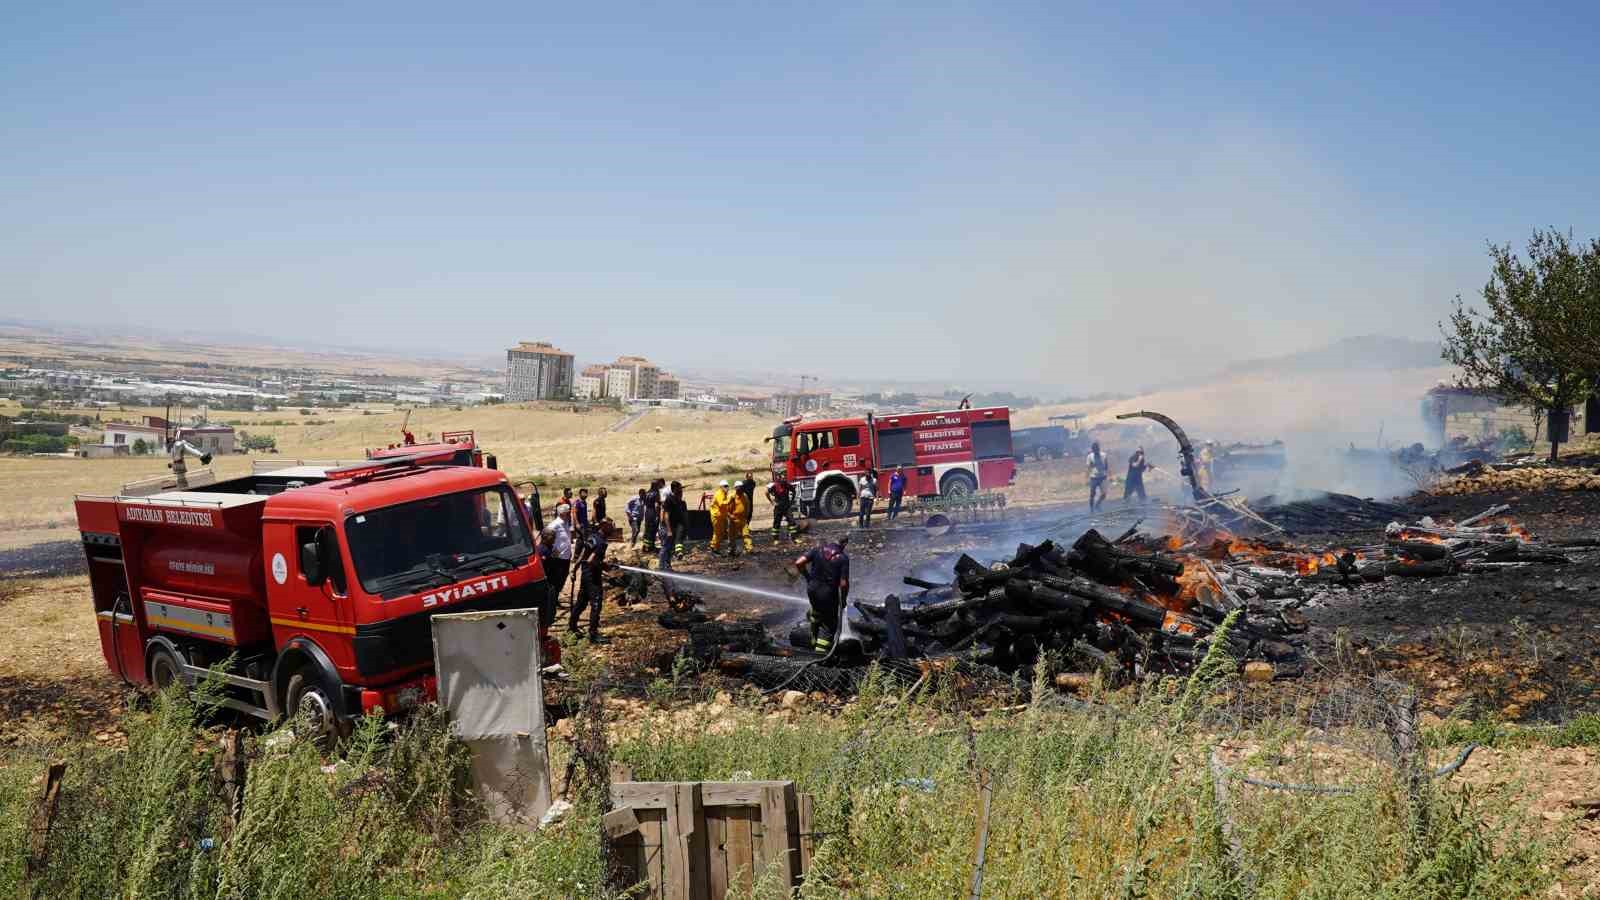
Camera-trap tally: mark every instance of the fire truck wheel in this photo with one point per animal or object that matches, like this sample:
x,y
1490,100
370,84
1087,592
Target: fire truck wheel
x,y
308,700
835,502
958,484
165,668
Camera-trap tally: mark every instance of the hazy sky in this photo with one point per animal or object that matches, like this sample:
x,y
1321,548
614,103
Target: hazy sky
x,y
1086,197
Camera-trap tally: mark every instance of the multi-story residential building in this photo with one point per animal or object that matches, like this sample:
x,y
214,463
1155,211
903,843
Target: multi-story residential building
x,y
588,387
619,384
536,370
794,404
667,387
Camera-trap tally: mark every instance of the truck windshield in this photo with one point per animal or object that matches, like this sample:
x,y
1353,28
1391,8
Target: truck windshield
x,y
780,443
437,541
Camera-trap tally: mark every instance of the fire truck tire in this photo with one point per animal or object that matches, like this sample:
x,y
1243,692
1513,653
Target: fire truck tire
x,y
835,502
958,484
164,666
307,698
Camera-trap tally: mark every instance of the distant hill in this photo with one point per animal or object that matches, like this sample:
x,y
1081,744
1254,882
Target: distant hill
x,y
1369,353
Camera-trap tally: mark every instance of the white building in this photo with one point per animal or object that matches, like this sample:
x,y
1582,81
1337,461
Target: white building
x,y
214,439
619,384
126,434
588,387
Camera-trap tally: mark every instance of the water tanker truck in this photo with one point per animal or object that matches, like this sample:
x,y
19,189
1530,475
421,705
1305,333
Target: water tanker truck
x,y
313,587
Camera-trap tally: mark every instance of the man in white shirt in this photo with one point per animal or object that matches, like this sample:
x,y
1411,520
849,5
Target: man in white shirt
x,y
558,564
1098,469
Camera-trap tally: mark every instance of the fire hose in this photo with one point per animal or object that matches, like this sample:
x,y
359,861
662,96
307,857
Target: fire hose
x,y
832,647
1185,449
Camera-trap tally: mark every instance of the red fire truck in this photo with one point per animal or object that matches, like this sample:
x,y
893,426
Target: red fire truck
x,y
318,584
950,453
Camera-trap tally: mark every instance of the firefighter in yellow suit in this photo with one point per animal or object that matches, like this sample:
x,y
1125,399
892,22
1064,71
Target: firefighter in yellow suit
x,y
739,523
721,510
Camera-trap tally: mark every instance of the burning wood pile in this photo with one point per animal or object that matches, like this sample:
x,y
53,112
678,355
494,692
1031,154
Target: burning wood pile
x,y
1481,543
1123,607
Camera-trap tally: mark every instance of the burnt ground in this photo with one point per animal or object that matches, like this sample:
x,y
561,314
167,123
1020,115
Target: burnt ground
x,y
43,559
1522,645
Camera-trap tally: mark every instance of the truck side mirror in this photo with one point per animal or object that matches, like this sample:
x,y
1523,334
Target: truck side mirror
x,y
489,461
311,563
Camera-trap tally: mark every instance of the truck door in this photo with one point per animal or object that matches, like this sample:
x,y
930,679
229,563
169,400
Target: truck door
x,y
319,611
854,454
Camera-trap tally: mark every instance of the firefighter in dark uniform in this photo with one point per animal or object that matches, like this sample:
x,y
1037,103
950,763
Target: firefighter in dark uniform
x,y
592,566
826,568
781,494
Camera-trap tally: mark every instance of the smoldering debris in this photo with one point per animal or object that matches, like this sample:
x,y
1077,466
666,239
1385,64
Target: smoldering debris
x,y
1126,608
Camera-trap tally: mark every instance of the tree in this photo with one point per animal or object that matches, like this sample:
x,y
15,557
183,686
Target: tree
x,y
1536,345
257,441
140,448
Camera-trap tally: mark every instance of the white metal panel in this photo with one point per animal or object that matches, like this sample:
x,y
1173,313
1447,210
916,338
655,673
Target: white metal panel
x,y
488,669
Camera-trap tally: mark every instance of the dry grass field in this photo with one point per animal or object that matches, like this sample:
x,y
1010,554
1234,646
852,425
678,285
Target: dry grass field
x,y
544,441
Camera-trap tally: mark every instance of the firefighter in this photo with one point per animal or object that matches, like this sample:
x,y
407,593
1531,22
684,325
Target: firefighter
x,y
781,495
592,566
674,517
652,515
721,508
826,568
1135,482
739,522
1205,460
747,487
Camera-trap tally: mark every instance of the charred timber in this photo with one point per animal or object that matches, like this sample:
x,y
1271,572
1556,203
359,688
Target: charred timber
x,y
934,611
1434,569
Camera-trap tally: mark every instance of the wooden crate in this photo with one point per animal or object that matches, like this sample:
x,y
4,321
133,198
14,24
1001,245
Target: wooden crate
x,y
666,847
702,839
751,827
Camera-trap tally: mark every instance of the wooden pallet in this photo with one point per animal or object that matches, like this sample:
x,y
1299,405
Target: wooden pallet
x,y
693,840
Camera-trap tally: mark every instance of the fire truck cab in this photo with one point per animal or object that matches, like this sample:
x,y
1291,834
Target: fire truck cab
x,y
314,587
949,453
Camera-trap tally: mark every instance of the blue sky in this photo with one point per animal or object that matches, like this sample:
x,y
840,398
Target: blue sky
x,y
1047,194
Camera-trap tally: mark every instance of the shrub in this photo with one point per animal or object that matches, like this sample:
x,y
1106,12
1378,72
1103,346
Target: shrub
x,y
394,817
257,441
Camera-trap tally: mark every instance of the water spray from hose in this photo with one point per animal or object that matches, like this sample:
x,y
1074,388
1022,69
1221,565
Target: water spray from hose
x,y
718,585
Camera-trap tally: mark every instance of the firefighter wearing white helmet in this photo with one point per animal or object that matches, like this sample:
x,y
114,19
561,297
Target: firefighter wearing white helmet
x,y
721,515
